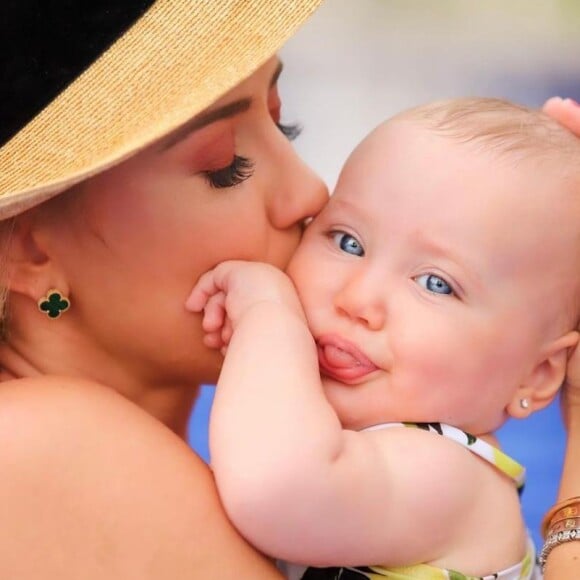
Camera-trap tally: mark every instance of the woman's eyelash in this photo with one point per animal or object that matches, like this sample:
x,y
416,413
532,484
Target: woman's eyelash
x,y
291,132
240,169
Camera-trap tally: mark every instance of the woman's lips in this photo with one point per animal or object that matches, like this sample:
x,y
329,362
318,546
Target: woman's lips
x,y
342,360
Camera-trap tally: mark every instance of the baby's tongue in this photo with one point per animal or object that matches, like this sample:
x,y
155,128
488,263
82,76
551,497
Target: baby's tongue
x,y
339,358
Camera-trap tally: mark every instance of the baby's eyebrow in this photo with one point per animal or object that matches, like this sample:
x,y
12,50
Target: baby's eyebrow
x,y
349,207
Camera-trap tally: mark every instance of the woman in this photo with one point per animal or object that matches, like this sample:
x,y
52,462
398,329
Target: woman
x,y
562,558
160,160
165,157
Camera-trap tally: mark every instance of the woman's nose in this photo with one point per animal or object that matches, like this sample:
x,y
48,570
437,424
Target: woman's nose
x,y
361,300
301,194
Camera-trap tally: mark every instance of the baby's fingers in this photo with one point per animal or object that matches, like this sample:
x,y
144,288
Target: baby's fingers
x,y
201,293
227,331
214,340
214,313
565,111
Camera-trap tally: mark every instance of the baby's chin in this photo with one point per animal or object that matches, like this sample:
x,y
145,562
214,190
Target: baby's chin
x,y
353,408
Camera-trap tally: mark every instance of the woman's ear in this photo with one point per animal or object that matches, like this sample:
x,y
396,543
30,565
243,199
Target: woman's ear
x,y
30,270
541,386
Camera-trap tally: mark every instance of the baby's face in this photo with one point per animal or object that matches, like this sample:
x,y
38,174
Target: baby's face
x,y
431,279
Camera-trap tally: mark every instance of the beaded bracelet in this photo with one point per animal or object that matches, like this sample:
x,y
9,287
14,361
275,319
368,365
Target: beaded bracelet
x,y
556,539
565,509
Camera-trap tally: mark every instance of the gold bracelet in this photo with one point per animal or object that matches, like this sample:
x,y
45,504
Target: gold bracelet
x,y
554,540
565,509
563,525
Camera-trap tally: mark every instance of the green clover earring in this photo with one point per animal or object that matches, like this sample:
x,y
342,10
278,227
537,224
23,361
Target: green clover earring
x,y
53,304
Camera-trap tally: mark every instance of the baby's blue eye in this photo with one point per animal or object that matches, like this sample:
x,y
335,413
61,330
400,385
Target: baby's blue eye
x,y
434,284
348,243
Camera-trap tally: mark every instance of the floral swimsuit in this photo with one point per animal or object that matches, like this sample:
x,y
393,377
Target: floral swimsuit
x,y
523,570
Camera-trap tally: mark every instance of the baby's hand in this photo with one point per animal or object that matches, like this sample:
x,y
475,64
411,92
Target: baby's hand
x,y
565,111
215,322
227,292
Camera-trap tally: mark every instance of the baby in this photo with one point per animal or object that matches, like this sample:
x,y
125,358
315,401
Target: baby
x,y
437,295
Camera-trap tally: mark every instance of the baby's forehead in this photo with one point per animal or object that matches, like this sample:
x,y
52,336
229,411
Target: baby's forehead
x,y
528,182
494,125
547,149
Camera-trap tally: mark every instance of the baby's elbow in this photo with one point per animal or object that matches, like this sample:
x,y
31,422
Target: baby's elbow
x,y
258,505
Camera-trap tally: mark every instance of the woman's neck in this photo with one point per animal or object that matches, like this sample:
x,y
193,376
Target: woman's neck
x,y
171,404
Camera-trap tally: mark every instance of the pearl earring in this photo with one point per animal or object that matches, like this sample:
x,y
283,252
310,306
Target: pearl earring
x,y
524,404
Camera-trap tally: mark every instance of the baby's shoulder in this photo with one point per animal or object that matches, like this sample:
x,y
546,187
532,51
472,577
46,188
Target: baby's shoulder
x,y
435,455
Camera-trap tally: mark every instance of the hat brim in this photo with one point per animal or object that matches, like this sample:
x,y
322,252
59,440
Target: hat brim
x,y
174,62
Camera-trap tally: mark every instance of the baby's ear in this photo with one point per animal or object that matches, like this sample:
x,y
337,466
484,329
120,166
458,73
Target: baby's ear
x,y
542,384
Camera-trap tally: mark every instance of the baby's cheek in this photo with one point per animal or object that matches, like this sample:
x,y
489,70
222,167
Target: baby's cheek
x,y
423,349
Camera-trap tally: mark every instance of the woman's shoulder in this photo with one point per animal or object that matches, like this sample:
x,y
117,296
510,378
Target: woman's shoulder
x,y
94,487
55,415
65,390
74,430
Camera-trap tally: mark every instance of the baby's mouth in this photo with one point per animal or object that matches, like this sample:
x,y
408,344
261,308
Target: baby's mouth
x,y
337,357
342,360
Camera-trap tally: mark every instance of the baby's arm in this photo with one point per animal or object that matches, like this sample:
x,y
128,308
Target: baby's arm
x,y
292,480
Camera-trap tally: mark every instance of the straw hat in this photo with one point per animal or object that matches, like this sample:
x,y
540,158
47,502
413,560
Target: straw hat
x,y
123,91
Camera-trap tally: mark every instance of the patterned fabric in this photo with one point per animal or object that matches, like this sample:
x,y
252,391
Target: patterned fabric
x,y
523,570
491,454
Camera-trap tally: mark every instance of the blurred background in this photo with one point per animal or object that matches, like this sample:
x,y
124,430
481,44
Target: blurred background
x,y
357,62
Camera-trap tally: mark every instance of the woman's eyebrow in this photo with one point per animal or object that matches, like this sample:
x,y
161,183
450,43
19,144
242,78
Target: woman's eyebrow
x,y
277,73
229,110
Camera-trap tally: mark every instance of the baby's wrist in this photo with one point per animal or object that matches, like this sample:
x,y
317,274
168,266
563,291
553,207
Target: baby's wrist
x,y
275,311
